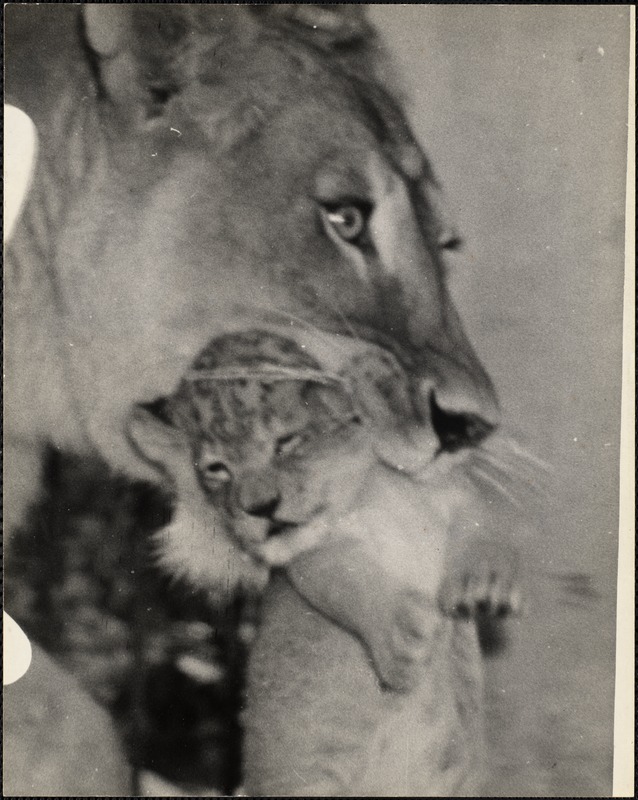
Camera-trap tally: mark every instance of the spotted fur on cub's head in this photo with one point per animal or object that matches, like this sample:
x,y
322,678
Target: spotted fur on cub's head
x,y
257,437
251,399
250,407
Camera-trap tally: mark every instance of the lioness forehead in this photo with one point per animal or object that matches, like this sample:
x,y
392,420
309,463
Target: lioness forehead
x,y
269,77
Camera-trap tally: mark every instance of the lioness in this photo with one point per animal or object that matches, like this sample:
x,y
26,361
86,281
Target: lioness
x,y
203,169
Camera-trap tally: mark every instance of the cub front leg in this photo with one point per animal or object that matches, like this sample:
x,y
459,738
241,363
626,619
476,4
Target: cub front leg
x,y
397,626
404,645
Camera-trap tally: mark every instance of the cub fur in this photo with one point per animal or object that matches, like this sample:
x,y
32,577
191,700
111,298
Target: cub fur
x,y
270,453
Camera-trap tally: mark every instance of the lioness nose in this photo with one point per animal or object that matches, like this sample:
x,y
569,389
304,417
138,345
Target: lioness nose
x,y
456,393
263,508
259,497
457,430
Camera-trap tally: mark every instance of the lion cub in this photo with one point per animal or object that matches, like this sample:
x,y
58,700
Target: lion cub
x,y
273,462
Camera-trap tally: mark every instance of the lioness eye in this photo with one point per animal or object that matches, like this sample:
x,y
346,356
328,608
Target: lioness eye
x,y
349,220
288,444
216,471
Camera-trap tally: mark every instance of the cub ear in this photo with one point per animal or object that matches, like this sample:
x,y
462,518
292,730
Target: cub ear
x,y
152,434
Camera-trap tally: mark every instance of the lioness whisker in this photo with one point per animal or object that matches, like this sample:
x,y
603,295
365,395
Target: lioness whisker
x,y
498,460
515,472
332,306
289,317
513,455
500,472
496,484
517,487
525,455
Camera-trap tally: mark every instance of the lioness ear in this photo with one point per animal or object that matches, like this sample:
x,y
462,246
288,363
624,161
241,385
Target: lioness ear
x,y
109,33
106,27
140,50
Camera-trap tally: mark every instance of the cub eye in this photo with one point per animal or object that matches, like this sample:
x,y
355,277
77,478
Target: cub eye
x,y
216,472
288,444
349,220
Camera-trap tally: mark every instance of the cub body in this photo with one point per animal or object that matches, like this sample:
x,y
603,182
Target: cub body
x,y
364,539
320,723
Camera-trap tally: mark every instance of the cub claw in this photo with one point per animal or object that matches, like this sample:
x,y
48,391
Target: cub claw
x,y
467,597
481,582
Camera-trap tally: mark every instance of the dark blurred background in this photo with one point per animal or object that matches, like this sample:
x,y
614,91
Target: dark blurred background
x,y
523,111
156,653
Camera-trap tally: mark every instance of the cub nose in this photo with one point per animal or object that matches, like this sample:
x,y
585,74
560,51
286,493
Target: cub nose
x,y
259,497
455,429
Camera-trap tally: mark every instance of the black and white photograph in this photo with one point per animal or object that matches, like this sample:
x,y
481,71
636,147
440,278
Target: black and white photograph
x,y
318,425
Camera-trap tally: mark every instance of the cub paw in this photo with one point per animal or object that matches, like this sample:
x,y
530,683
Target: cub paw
x,y
483,583
408,642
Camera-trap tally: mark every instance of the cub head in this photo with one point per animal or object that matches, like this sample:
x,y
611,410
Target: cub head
x,y
257,429
259,441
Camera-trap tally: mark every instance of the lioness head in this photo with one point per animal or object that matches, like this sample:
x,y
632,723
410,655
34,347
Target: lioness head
x,y
233,166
